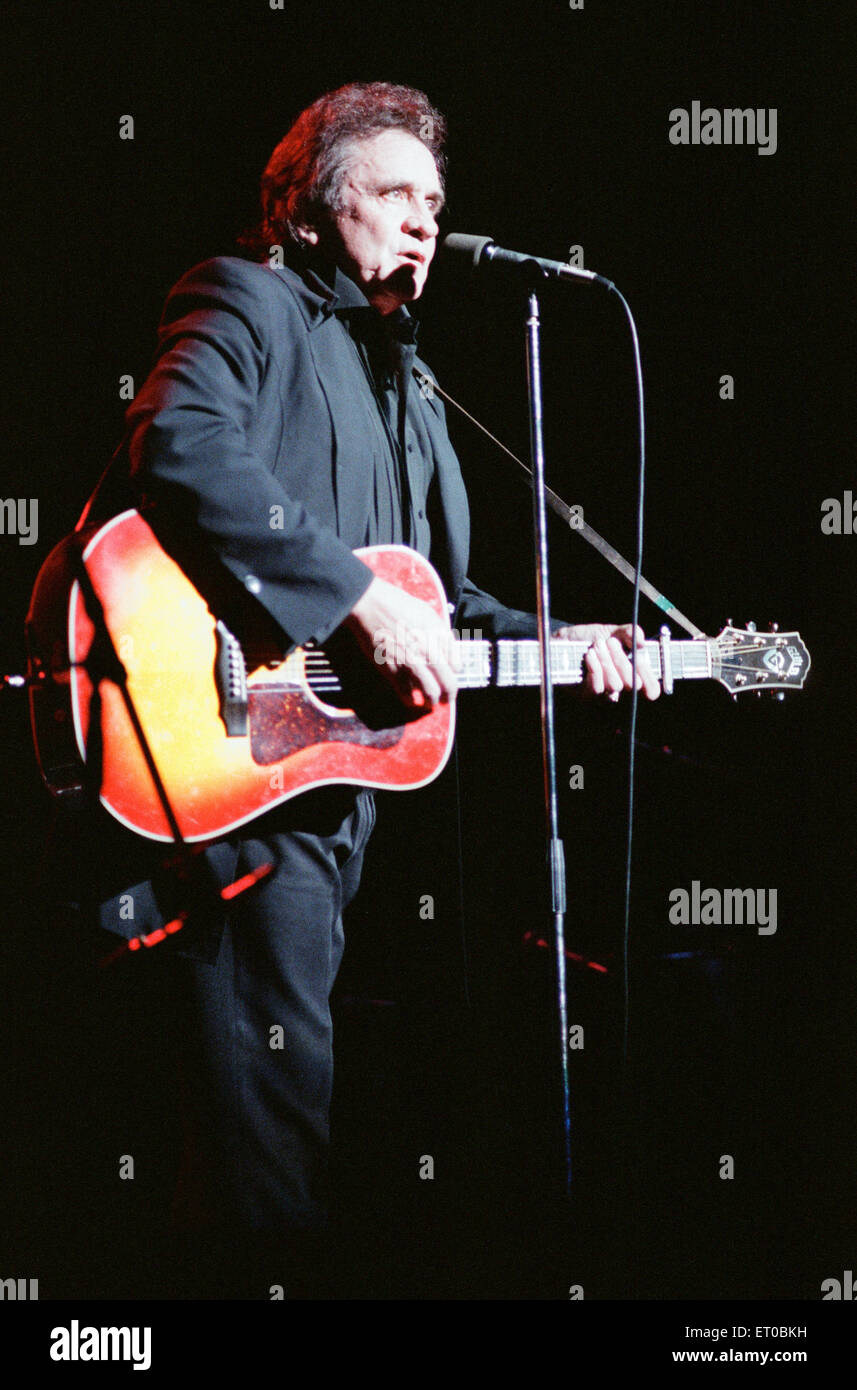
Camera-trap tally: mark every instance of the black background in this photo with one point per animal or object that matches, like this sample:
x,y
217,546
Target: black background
x,y
733,262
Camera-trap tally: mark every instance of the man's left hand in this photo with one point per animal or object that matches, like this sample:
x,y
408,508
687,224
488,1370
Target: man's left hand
x,y
607,663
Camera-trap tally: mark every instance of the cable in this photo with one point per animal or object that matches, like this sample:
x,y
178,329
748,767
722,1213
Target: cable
x,y
626,930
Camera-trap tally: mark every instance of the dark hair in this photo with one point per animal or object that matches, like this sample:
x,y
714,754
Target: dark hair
x,y
305,174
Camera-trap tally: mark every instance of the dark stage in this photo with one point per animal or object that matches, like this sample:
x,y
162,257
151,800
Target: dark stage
x,y
737,263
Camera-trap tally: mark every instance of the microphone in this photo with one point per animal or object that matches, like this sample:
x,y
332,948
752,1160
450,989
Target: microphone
x,y
481,251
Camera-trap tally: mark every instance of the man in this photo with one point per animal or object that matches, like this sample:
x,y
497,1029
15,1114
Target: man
x,y
279,431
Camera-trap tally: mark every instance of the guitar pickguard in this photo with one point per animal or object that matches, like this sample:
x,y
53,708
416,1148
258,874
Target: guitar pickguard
x,y
283,722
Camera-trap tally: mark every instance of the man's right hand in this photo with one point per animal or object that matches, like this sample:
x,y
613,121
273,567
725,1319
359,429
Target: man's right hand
x,y
408,642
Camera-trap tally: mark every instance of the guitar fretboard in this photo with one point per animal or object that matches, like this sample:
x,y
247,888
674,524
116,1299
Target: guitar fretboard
x,y
518,662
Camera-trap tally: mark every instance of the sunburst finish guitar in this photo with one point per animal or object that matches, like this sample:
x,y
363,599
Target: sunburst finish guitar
x,y
227,742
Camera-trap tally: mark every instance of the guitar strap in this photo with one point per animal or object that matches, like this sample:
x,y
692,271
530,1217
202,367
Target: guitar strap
x,y
572,517
101,485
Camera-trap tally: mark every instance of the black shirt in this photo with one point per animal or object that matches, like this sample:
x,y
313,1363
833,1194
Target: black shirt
x,y
386,347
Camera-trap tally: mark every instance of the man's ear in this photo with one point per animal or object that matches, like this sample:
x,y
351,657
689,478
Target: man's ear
x,y
308,235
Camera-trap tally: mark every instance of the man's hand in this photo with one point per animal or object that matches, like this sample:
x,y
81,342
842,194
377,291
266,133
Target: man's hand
x,y
608,666
410,645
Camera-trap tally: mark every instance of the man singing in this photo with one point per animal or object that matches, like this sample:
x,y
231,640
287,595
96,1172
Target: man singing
x,y
283,387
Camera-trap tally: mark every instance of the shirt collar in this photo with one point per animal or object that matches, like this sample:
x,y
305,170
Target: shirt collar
x,y
323,289
345,298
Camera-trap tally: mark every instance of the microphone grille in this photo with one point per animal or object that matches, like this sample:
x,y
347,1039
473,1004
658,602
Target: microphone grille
x,y
460,244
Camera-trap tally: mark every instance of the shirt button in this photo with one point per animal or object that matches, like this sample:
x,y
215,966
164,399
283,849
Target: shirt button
x,y
421,514
252,583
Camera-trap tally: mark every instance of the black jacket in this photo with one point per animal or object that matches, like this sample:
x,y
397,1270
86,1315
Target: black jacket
x,y
256,409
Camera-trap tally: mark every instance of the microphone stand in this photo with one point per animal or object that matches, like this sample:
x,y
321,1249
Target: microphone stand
x,y
555,849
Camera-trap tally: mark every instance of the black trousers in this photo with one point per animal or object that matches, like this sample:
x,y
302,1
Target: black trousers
x,y
214,1049
257,1059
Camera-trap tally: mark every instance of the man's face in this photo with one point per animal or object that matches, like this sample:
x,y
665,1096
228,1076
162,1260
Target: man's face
x,y
384,237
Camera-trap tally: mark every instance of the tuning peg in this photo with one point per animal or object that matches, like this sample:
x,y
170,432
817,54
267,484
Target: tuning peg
x,y
751,627
777,694
773,627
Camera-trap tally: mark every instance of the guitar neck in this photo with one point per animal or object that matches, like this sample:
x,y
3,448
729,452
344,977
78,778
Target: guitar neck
x,y
514,661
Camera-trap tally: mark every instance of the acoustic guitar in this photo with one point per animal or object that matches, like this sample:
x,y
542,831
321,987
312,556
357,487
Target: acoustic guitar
x,y
185,733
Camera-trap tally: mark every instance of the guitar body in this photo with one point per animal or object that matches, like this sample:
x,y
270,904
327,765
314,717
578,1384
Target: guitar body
x,y
165,636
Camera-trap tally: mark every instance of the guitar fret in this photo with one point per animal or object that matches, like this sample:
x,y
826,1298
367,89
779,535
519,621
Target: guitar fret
x,y
691,660
519,662
474,663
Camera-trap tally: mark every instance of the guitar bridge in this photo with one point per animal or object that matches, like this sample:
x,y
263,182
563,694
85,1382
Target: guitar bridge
x,y
230,678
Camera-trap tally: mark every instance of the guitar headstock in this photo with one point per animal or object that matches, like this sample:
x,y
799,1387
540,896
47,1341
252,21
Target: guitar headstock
x,y
744,659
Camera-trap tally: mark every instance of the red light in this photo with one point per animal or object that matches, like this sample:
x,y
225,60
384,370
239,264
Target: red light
x,y
241,884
